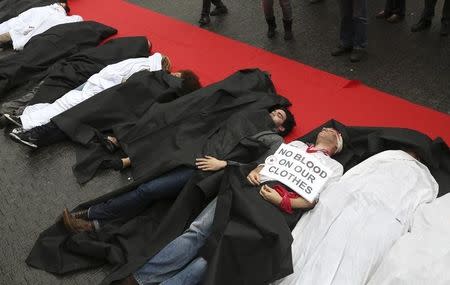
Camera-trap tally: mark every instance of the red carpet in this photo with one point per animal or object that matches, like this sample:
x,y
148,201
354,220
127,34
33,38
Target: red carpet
x,y
317,96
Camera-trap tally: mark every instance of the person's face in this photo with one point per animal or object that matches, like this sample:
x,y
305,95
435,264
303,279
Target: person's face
x,y
176,74
62,4
328,136
278,117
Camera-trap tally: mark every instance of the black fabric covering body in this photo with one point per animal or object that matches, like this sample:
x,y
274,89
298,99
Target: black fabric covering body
x,y
251,239
47,48
71,72
12,8
250,242
144,117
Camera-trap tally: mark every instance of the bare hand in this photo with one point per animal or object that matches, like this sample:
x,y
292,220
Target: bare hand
x,y
270,195
253,177
209,163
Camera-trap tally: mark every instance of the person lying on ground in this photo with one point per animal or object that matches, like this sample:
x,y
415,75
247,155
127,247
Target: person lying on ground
x,y
19,30
170,184
359,218
112,75
49,133
179,261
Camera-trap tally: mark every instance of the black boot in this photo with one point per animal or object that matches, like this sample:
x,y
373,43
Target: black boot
x,y
272,26
287,30
204,20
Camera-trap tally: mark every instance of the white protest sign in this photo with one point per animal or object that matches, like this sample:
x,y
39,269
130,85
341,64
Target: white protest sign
x,y
299,170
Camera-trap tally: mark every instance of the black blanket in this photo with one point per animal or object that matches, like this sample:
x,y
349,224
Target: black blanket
x,y
12,8
47,48
74,70
144,116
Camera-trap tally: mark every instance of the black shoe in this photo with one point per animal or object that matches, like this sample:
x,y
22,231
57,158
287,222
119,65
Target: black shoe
x,y
287,24
272,26
445,28
358,54
13,119
24,138
219,10
341,50
421,25
204,20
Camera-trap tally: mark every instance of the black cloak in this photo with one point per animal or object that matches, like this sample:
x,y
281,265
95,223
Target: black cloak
x,y
250,242
45,49
142,114
75,70
12,8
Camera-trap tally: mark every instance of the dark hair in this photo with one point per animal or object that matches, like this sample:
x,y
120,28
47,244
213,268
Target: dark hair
x,y
66,7
288,124
190,82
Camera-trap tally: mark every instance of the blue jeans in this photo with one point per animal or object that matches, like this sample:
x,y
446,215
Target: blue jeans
x,y
132,203
353,23
177,263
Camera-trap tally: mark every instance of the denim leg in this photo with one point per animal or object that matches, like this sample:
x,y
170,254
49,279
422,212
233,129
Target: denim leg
x,y
400,7
346,33
131,203
178,253
359,23
190,275
268,8
286,8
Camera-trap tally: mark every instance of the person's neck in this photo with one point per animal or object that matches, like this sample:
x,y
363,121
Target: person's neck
x,y
329,149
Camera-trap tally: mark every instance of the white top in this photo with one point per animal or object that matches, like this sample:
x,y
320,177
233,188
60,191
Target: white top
x,y
336,168
421,256
111,75
357,220
34,22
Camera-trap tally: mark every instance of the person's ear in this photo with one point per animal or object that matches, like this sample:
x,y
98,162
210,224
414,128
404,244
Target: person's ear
x,y
281,128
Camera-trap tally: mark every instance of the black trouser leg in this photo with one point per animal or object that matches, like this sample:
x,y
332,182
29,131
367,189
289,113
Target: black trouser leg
x,y
49,134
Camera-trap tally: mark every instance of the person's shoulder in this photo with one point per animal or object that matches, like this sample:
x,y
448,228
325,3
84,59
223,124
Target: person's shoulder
x,y
336,166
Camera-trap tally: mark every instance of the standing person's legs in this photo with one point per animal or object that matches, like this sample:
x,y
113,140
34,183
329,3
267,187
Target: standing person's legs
x,y
204,17
360,30
346,28
287,18
359,23
426,18
270,17
131,203
445,20
181,251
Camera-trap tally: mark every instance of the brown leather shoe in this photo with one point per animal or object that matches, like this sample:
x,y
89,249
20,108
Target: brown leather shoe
x,y
74,225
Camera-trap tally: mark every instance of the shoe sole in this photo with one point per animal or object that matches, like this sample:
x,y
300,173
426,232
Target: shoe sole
x,y
18,139
8,116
